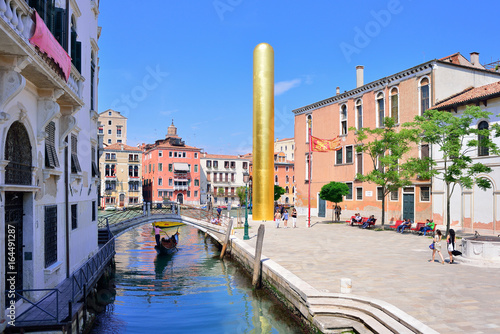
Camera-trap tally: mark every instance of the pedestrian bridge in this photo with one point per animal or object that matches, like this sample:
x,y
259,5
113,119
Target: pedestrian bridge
x,y
117,222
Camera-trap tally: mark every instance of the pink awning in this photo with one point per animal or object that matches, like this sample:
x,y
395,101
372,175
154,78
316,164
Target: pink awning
x,y
44,39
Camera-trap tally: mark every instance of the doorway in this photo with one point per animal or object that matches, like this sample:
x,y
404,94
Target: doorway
x,y
122,200
321,207
180,198
408,206
13,241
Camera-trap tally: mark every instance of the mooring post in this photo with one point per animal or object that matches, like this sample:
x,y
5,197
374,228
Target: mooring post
x,y
258,252
226,240
148,208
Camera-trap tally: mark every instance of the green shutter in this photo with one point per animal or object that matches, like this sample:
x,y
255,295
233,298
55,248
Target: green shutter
x,y
60,28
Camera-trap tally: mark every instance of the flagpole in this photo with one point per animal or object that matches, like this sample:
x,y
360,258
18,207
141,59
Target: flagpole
x,y
309,177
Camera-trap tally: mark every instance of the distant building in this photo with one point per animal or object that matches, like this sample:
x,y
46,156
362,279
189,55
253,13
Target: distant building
x,y
221,176
121,176
287,146
113,127
472,209
171,170
402,96
48,121
284,176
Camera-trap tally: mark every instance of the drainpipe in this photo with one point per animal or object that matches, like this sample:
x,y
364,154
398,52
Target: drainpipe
x,y
66,203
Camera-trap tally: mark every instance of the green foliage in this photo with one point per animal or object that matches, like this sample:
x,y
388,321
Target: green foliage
x,y
240,192
387,148
334,191
220,192
456,138
278,191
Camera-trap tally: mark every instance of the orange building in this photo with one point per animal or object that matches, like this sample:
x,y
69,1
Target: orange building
x,y
284,176
401,96
171,170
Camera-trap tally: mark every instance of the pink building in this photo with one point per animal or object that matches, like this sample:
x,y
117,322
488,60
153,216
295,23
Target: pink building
x,y
171,170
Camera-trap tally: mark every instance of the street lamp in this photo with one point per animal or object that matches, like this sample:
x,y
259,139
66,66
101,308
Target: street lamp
x,y
246,178
250,193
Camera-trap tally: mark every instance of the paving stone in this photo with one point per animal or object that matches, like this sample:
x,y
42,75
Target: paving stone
x,y
390,267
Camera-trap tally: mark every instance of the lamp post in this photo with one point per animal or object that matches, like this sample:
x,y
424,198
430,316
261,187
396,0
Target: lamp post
x,y
245,179
250,193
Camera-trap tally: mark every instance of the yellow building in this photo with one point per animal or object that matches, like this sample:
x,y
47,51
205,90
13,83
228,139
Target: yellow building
x,y
121,172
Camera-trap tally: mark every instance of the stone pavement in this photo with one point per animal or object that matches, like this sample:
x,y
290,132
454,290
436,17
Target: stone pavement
x,y
388,266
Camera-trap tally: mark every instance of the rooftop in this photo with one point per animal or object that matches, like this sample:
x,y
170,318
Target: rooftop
x,y
470,95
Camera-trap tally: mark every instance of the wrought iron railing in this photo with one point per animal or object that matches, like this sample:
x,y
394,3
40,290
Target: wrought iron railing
x,y
87,274
120,215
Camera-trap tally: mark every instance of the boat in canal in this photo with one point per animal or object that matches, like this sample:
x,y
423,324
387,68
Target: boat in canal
x,y
166,224
167,245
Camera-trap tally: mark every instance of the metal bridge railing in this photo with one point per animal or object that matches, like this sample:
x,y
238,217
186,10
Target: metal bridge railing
x,y
51,315
87,274
121,215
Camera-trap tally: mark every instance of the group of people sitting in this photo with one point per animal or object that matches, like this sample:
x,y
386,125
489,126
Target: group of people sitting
x,y
357,219
215,220
429,226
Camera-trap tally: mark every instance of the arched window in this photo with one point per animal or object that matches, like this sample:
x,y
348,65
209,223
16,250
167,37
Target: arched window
x,y
276,178
359,113
380,109
286,190
343,119
18,153
395,105
424,95
482,150
309,119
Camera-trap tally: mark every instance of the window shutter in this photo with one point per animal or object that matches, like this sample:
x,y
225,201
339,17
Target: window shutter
x,y
51,159
73,46
78,61
59,27
75,164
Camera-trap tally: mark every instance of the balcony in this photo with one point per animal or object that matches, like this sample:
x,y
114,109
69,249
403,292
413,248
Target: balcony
x,y
181,187
16,29
182,176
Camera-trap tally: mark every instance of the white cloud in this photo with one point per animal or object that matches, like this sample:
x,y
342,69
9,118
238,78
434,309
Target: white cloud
x,y
168,112
284,86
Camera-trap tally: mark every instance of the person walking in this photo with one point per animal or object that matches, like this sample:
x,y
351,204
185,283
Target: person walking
x,y
219,211
277,218
338,211
285,218
437,246
450,242
294,217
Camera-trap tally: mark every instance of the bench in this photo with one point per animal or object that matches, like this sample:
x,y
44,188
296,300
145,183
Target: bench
x,y
363,220
395,226
417,228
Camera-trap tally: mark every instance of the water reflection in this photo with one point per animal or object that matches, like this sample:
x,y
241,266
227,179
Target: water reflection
x,y
190,291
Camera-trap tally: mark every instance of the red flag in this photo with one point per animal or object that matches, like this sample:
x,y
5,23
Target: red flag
x,y
325,145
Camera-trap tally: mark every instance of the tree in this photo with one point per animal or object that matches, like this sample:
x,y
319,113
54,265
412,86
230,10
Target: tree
x,y
220,192
240,192
457,138
278,191
334,192
386,148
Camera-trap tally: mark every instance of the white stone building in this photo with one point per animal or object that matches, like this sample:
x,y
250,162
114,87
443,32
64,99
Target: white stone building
x,y
222,172
48,129
472,209
287,146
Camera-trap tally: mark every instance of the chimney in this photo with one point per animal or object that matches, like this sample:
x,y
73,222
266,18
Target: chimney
x,y
338,90
359,75
474,59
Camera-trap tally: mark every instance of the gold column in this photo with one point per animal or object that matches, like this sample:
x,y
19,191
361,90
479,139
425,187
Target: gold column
x,y
263,132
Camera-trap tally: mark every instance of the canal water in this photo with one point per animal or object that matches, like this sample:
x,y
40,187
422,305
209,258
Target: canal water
x,y
191,291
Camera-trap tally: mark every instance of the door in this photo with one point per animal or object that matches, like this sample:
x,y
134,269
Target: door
x,y
180,198
321,207
408,206
122,200
13,242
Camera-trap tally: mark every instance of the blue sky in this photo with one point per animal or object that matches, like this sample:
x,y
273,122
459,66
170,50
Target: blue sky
x,y
191,61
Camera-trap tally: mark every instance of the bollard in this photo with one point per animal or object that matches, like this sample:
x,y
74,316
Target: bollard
x,y
258,252
345,285
148,205
226,240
